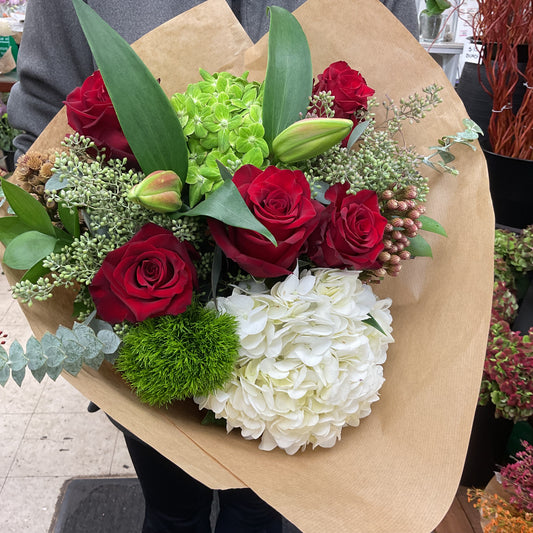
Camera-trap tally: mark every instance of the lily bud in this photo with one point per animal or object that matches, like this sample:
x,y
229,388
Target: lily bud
x,y
309,137
160,191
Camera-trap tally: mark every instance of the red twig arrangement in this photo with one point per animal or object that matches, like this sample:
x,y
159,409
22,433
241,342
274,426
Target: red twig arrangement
x,y
501,30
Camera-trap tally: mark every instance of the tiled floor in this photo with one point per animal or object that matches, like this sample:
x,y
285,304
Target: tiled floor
x,y
45,439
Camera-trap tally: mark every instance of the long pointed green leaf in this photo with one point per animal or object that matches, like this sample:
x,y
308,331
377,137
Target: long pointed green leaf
x,y
28,209
227,205
70,219
289,76
148,121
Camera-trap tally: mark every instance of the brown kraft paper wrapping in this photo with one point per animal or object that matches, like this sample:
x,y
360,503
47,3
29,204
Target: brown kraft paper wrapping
x,y
399,470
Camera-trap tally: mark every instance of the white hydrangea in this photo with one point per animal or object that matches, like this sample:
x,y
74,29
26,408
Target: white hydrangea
x,y
308,364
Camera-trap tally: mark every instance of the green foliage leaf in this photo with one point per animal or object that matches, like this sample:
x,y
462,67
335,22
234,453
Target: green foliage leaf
x,y
371,321
28,209
35,272
4,375
16,360
419,247
357,132
428,224
70,219
18,375
25,250
151,126
289,76
227,205
11,227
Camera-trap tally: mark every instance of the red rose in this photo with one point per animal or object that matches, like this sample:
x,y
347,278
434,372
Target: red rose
x,y
91,113
347,86
151,275
281,201
350,233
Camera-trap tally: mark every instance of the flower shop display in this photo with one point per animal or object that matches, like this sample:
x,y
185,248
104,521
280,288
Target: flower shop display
x,y
507,502
498,96
507,376
262,234
506,393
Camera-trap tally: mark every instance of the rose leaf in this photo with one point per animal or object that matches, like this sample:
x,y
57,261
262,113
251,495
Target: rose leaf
x,y
419,247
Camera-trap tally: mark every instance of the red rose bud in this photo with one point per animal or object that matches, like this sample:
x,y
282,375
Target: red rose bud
x,y
160,191
309,137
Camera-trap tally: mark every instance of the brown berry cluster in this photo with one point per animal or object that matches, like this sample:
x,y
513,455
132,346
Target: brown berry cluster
x,y
400,207
32,172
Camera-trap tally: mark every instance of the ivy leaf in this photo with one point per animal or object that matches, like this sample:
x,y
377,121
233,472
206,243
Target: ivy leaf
x,y
419,247
151,126
289,75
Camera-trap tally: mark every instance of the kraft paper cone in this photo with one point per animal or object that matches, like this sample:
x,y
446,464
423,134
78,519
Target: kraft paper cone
x,y
399,470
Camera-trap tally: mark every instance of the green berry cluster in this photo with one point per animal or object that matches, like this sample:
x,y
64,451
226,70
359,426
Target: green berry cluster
x,y
221,118
97,189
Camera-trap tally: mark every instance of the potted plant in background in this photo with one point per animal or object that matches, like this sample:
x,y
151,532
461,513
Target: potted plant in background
x,y
498,95
7,134
506,504
505,411
432,20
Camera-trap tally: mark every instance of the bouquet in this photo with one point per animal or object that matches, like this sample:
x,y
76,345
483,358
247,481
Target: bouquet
x,y
221,203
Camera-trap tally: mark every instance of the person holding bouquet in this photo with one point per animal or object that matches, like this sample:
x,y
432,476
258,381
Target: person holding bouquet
x,y
54,58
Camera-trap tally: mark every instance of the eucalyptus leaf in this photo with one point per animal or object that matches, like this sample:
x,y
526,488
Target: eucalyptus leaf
x,y
27,249
28,209
18,375
39,373
54,372
428,224
34,354
35,272
289,75
17,359
152,128
53,350
419,247
357,132
5,373
110,341
57,182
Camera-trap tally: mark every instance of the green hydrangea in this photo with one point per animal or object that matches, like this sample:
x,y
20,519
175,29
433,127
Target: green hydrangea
x,y
221,118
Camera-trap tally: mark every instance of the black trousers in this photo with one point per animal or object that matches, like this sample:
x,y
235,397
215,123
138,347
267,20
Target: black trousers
x,y
177,503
